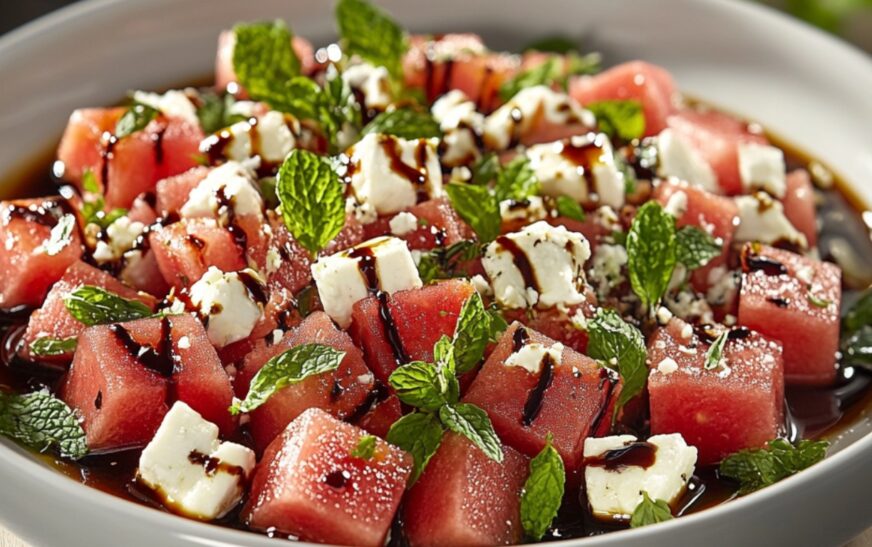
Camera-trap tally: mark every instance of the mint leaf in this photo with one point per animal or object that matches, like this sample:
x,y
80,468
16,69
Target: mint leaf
x,y
544,74
859,314
370,33
447,262
618,344
263,58
695,248
651,253
365,448
569,208
543,491
716,351
46,346
754,469
472,334
478,207
619,119
95,306
312,199
551,44
288,368
817,301
498,324
93,209
589,63
89,182
214,113
136,118
39,420
516,180
485,169
650,512
473,423
419,434
420,385
404,123
61,235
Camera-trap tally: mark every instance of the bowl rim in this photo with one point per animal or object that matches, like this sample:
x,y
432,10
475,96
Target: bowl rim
x,y
21,461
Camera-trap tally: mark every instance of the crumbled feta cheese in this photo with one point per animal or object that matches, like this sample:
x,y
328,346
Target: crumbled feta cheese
x,y
539,265
228,185
270,137
686,332
461,126
505,126
120,237
364,213
276,140
228,304
390,173
532,355
403,223
762,167
667,366
615,493
277,336
372,82
172,104
762,219
273,260
679,159
246,109
608,218
805,274
723,283
344,278
530,209
184,343
192,471
676,205
689,306
607,267
663,315
481,285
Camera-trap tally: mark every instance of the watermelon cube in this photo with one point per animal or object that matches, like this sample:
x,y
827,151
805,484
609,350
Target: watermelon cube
x,y
567,395
438,225
340,393
172,192
736,405
418,319
379,411
799,205
310,485
563,325
52,320
465,498
795,300
27,270
81,147
185,250
649,84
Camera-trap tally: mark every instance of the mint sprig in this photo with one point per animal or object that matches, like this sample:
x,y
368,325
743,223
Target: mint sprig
x,y
569,208
93,209
716,351
312,199
478,207
365,448
472,334
651,253
373,35
516,180
134,119
46,346
621,347
485,169
447,262
543,491
543,74
422,385
695,248
405,123
288,368
650,512
473,423
96,306
263,58
214,112
755,469
419,434
39,420
623,120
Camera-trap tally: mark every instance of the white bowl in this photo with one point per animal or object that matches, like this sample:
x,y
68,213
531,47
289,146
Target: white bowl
x,y
798,82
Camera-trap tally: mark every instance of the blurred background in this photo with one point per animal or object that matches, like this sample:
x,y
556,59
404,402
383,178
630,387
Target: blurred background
x,y
850,19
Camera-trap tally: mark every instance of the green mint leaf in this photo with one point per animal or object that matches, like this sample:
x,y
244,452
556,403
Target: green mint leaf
x,y
39,420
443,355
498,324
473,423
859,314
817,301
300,97
214,112
651,253
472,334
404,123
544,74
716,351
89,182
95,306
619,119
61,235
45,346
134,119
478,207
589,63
263,58
420,385
695,248
551,44
447,262
569,208
288,368
370,33
619,345
516,180
650,512
856,348
485,169
543,492
312,199
754,469
365,448
419,434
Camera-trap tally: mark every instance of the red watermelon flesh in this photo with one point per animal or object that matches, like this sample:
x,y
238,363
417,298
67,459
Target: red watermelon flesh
x,y
26,269
576,404
143,273
719,411
796,303
438,225
52,320
340,393
81,147
172,192
381,414
310,486
799,205
716,136
185,250
224,73
465,498
557,324
651,85
419,318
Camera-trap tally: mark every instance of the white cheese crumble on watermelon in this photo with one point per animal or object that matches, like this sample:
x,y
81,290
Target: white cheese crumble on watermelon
x,y
761,167
531,356
225,302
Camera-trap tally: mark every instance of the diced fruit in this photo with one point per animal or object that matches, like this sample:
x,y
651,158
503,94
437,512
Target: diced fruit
x,y
185,250
649,84
418,319
795,300
437,225
532,386
52,320
799,205
381,414
340,393
27,270
565,326
465,498
173,192
535,115
81,147
308,484
737,404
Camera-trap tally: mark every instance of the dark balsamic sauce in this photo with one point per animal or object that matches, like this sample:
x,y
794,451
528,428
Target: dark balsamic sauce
x,y
636,454
521,261
533,405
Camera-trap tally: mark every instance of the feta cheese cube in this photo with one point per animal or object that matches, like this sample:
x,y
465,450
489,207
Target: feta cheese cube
x,y
530,209
461,126
193,472
372,82
403,223
119,237
539,265
532,356
614,489
607,268
229,185
270,137
172,104
389,173
381,264
679,159
762,219
230,303
762,167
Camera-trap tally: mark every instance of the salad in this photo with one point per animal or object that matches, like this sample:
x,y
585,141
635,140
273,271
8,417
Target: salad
x,y
407,289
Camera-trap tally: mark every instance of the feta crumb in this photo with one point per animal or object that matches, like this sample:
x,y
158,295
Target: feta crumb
x,y
676,205
461,126
530,209
762,167
667,366
403,223
184,343
172,104
229,185
663,315
532,355
273,260
228,304
120,237
606,272
364,213
678,159
277,335
686,332
762,219
481,285
372,82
